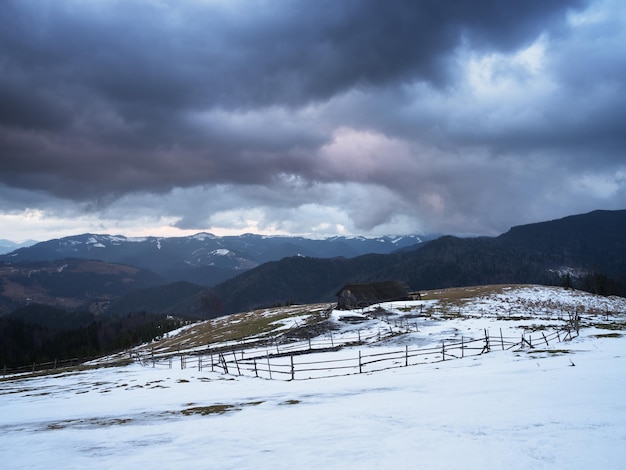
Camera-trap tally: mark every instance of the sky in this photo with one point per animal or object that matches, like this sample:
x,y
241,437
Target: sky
x,y
167,118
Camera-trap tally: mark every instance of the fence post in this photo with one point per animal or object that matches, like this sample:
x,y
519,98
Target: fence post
x,y
462,347
331,340
236,363
487,347
293,373
223,362
359,331
170,362
406,355
360,367
199,363
501,339
212,365
544,338
256,372
443,350
269,368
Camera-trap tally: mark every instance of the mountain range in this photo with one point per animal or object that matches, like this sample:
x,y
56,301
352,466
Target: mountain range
x,y
203,258
206,276
7,246
585,251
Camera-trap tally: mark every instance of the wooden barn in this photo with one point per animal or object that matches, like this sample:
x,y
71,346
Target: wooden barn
x,y
353,296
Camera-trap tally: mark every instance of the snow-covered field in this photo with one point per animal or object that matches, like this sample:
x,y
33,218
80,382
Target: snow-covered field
x,y
558,406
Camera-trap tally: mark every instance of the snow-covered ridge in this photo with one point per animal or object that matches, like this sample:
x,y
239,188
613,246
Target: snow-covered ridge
x,y
203,236
164,255
549,406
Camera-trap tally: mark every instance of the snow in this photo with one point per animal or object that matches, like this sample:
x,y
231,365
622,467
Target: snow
x,y
220,252
202,236
558,407
131,239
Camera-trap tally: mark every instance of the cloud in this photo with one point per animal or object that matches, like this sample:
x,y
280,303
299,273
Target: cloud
x,y
356,116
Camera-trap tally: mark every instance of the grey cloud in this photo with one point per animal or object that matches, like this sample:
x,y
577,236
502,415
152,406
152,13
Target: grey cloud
x,y
145,56
103,99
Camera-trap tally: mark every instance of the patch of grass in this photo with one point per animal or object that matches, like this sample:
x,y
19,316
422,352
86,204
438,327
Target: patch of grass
x,y
407,309
611,326
450,316
258,323
254,403
218,409
608,335
208,410
112,422
535,327
60,425
455,294
550,351
81,423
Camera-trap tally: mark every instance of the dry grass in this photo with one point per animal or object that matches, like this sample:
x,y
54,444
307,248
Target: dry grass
x,y
218,409
459,295
258,324
608,335
451,301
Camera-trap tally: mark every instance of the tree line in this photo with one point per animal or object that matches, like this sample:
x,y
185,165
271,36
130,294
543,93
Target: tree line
x,y
24,340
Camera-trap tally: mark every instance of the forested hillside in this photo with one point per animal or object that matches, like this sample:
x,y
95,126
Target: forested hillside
x,y
586,251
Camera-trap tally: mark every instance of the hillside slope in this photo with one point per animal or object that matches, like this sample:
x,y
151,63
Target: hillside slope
x,y
69,283
556,405
585,246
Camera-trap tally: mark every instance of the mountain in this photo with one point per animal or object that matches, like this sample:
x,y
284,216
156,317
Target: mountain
x,y
203,258
7,246
585,251
73,284
591,248
591,242
177,298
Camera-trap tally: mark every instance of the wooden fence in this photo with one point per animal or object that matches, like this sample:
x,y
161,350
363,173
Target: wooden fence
x,y
317,357
318,363
59,364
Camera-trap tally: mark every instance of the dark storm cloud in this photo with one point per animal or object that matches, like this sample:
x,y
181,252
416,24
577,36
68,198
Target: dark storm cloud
x,y
110,83
104,99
